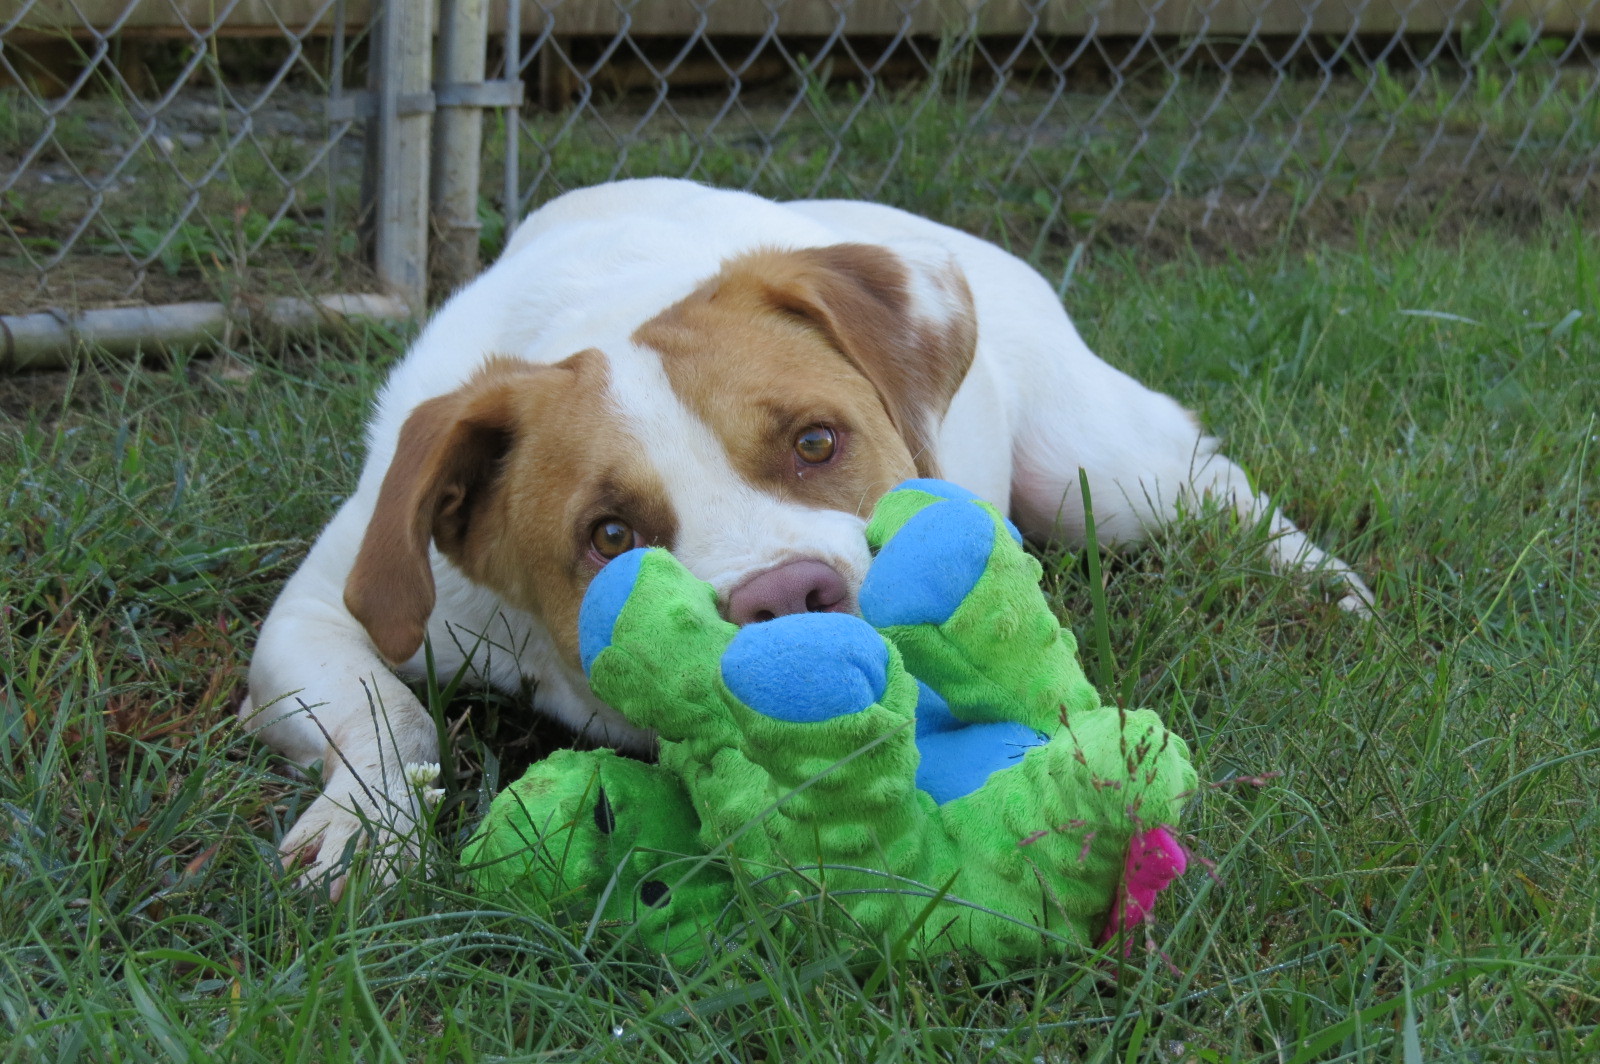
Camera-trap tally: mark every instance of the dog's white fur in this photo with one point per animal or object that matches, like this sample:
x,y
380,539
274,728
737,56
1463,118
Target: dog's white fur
x,y
584,272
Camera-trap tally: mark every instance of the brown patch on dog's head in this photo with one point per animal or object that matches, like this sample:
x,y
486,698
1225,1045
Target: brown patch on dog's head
x,y
507,476
780,343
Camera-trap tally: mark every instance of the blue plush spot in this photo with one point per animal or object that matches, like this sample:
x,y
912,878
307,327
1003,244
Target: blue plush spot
x,y
602,604
956,763
807,667
954,492
933,712
929,567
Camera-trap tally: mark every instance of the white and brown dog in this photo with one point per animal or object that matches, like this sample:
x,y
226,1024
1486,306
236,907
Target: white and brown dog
x,y
657,362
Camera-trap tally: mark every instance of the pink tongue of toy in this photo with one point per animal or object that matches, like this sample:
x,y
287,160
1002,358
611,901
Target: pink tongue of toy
x,y
1155,859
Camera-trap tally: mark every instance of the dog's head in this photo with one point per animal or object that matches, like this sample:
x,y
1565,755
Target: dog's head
x,y
750,428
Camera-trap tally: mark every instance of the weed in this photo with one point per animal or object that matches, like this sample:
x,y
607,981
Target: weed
x,y
1511,87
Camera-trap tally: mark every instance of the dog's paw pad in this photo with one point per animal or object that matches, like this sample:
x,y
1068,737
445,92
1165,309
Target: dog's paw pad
x,y
603,602
807,667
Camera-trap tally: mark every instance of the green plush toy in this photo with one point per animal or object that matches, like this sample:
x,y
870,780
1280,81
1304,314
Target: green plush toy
x,y
945,741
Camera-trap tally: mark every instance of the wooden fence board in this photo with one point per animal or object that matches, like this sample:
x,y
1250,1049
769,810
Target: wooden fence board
x,y
681,18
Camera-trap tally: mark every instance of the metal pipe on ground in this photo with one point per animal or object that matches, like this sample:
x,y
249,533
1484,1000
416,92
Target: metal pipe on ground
x,y
54,338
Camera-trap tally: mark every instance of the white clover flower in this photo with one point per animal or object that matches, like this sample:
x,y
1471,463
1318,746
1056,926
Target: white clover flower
x,y
420,774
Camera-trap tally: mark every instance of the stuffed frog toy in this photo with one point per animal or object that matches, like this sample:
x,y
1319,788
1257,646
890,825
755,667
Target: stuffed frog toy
x,y
936,773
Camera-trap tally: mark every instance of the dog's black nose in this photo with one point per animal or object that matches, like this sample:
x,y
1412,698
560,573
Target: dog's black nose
x,y
805,586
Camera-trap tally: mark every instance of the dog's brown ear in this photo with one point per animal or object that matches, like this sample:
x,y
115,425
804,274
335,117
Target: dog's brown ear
x,y
447,459
915,351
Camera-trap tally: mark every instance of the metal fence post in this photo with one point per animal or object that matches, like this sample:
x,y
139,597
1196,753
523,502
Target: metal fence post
x,y
511,186
458,140
404,98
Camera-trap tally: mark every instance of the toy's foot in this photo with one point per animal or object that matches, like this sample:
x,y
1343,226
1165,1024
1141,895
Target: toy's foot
x,y
910,498
585,828
955,591
1066,814
826,709
807,668
956,758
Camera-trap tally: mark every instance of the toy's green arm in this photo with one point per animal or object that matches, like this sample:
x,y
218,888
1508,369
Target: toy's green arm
x,y
813,714
953,589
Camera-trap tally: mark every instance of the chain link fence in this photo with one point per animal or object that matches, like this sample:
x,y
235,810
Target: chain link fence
x,y
1048,124
148,155
225,152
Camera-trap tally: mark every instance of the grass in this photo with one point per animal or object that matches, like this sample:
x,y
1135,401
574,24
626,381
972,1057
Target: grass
x,y
1412,875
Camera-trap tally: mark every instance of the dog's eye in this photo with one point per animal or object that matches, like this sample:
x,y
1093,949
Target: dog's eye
x,y
611,538
815,445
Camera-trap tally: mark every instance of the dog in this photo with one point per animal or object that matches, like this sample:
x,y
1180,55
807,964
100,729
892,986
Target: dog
x,y
656,362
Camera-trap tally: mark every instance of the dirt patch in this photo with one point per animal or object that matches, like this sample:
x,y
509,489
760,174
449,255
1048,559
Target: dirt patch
x,y
27,395
91,281
1436,206
111,200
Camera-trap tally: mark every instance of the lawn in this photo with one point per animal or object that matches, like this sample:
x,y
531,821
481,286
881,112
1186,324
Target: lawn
x,y
1401,831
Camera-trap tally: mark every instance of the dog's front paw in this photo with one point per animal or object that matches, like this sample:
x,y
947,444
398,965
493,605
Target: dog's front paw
x,y
1357,598
350,822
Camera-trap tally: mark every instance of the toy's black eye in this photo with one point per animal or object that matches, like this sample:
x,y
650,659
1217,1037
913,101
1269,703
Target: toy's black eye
x,y
816,445
611,538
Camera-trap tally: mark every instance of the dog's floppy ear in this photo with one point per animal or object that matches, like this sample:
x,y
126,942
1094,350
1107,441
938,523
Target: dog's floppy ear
x,y
907,325
447,459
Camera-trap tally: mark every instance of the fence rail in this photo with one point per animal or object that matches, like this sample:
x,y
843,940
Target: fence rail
x,y
681,18
335,152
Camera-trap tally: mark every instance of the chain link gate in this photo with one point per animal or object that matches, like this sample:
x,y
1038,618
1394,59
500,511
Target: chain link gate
x,y
183,171
171,170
